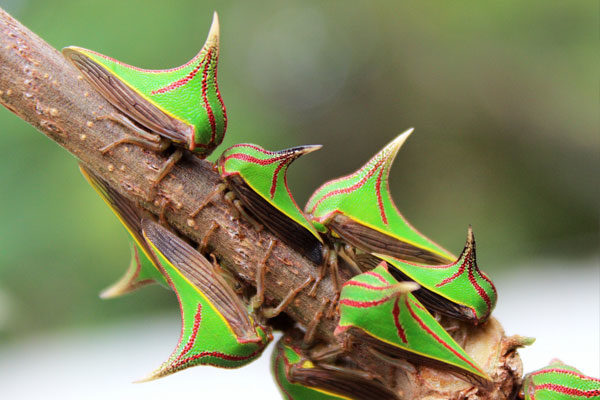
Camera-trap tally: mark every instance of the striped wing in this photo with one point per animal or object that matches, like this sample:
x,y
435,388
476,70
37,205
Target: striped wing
x,y
373,305
125,98
217,329
299,378
143,267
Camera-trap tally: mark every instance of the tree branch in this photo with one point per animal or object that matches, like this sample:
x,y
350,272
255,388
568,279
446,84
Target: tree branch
x,y
41,87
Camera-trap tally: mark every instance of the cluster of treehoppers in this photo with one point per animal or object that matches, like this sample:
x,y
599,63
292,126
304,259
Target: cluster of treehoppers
x,y
399,276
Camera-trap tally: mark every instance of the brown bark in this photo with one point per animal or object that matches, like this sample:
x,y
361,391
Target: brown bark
x,y
41,87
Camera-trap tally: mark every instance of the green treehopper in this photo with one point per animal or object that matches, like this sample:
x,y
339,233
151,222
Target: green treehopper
x,y
359,209
559,381
300,378
217,328
382,312
258,177
182,105
459,289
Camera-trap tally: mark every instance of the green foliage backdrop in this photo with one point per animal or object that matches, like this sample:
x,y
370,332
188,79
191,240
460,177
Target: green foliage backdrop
x,y
504,98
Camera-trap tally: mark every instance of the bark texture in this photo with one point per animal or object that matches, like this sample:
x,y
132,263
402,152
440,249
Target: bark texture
x,y
42,88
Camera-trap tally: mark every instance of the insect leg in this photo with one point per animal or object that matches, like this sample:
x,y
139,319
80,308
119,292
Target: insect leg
x,y
167,167
334,268
143,138
204,242
239,207
221,187
273,312
164,203
322,269
258,299
347,254
397,362
333,306
328,353
311,328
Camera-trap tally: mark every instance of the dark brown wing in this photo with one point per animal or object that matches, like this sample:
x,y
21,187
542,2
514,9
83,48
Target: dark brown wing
x,y
130,215
344,383
373,241
432,301
128,101
288,230
395,352
199,271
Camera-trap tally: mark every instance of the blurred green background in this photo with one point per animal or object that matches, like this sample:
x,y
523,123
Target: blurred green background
x,y
503,96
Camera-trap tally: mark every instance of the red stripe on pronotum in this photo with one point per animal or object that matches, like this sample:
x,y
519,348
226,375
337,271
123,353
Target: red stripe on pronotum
x,y
292,197
565,372
209,111
367,285
252,146
364,304
206,61
436,337
420,306
468,260
274,180
254,160
223,109
192,340
568,390
482,293
153,71
217,354
249,158
178,83
379,198
458,273
348,189
399,328
377,276
489,281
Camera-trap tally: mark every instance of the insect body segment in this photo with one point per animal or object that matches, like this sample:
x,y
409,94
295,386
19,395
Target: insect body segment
x,y
377,307
299,378
182,104
143,268
558,381
459,289
217,328
258,177
359,208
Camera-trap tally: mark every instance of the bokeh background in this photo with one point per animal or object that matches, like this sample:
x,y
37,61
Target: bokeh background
x,y
503,96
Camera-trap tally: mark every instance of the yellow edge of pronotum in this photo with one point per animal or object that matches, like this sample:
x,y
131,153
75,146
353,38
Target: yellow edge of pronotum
x,y
480,373
98,61
116,212
402,239
428,287
337,395
313,230
155,249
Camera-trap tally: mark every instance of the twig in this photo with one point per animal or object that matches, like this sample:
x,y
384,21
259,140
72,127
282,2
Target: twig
x,y
41,87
